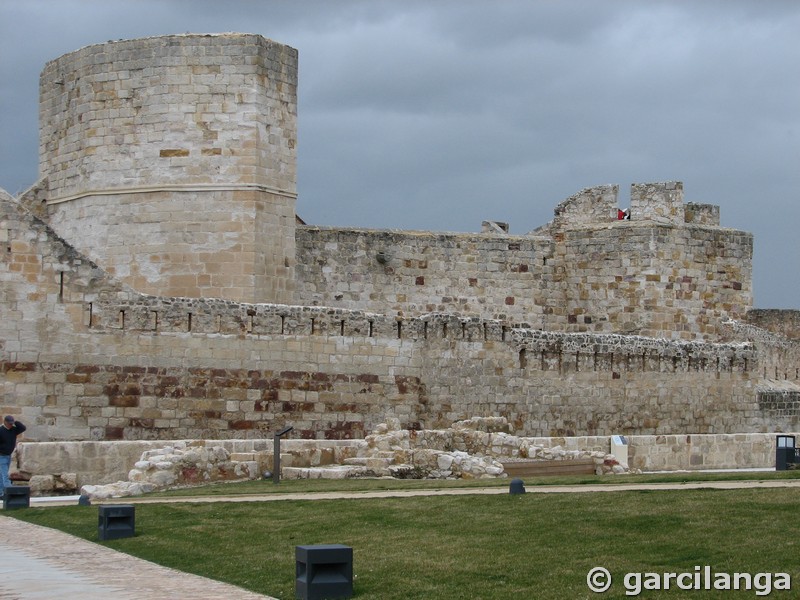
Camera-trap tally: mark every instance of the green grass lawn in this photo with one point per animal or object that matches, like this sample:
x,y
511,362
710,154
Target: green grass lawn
x,y
373,484
537,546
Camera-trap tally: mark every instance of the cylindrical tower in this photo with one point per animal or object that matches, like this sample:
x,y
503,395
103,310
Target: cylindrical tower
x,y
171,162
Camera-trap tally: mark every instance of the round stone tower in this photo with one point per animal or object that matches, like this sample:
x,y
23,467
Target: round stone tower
x,y
171,162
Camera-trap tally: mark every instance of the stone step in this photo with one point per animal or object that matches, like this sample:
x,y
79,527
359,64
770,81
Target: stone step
x,y
244,456
331,472
380,463
371,462
389,454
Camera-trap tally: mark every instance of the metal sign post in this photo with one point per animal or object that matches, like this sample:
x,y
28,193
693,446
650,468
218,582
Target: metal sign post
x,y
276,453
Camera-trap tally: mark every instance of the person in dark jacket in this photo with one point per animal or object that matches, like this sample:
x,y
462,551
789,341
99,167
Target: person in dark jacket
x,y
9,431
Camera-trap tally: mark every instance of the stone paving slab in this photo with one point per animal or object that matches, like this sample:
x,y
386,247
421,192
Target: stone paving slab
x,y
39,563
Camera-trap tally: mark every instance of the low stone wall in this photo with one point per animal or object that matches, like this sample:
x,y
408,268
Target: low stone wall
x,y
697,452
97,463
682,452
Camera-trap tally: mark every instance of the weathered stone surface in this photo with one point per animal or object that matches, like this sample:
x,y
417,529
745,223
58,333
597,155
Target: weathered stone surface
x,y
197,307
645,453
147,136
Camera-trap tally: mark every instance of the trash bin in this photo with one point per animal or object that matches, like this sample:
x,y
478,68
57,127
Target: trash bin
x,y
784,452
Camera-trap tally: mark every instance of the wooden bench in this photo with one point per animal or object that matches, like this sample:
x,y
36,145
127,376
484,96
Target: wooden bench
x,y
539,468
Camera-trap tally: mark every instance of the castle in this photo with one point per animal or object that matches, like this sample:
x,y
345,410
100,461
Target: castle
x,y
157,284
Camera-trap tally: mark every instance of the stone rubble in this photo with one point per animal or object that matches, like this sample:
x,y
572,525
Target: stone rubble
x,y
469,449
183,464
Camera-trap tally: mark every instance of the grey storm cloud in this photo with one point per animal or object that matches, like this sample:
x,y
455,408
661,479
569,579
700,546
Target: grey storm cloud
x,y
438,115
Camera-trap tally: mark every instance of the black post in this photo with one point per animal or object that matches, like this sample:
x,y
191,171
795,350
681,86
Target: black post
x,y
276,453
323,572
16,496
115,521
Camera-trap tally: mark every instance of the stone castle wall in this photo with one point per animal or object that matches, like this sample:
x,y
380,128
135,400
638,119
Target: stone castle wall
x,y
778,355
580,274
85,357
412,273
652,279
160,288
782,322
171,110
171,162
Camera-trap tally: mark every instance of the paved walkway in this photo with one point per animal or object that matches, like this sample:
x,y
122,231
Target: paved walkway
x,y
39,563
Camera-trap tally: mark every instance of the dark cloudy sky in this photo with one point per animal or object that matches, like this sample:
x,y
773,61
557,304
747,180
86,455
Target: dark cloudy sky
x,y
436,115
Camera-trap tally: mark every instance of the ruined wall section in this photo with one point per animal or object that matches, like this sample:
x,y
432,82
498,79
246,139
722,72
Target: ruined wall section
x,y
701,214
412,273
46,285
590,206
781,322
563,383
171,162
670,271
778,390
84,357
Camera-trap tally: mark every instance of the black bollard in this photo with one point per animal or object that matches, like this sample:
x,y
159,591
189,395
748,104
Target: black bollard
x,y
516,487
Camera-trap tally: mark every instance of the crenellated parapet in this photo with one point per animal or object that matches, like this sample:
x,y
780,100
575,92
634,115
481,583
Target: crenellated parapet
x,y
778,355
537,349
567,352
659,202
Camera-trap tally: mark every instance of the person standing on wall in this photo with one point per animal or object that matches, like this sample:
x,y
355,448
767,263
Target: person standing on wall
x,y
8,441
